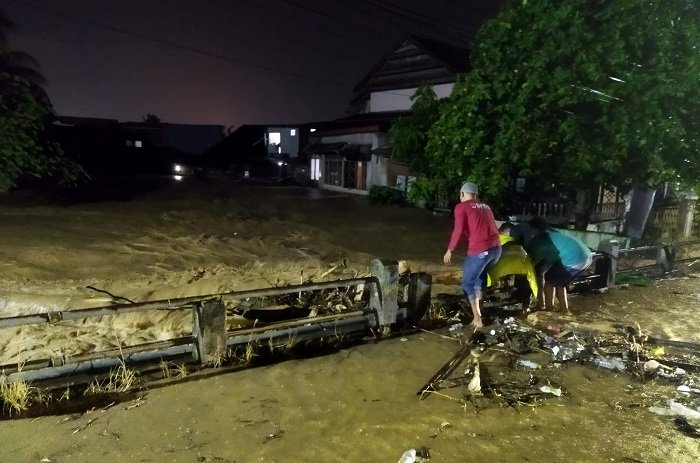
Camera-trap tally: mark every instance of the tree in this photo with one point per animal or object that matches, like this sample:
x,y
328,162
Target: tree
x,y
575,95
408,137
151,119
25,111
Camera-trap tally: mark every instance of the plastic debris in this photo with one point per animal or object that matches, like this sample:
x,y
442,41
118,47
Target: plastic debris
x,y
676,409
682,410
610,363
409,456
551,390
657,351
566,349
652,365
528,364
474,386
456,326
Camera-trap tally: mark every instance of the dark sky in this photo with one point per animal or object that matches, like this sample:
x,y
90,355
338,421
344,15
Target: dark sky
x,y
226,62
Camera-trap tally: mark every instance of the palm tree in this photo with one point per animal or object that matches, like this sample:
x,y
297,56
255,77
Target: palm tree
x,y
17,64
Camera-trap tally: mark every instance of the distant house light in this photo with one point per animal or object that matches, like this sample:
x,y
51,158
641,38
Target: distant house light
x,y
279,149
292,132
312,130
138,143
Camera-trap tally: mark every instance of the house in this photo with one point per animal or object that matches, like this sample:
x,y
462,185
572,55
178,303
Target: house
x,y
258,151
350,154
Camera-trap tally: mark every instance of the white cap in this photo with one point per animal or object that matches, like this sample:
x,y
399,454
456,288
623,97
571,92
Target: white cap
x,y
469,188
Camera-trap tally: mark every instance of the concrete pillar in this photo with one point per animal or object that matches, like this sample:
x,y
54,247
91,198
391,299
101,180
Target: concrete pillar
x,y
686,213
608,266
384,297
209,328
665,258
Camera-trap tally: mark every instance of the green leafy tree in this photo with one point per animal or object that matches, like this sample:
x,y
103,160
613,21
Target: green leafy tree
x,y
408,138
574,95
408,135
25,111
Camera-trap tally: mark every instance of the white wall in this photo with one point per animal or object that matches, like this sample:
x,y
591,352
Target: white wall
x,y
400,100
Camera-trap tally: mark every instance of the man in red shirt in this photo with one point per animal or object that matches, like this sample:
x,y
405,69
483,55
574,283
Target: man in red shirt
x,y
474,220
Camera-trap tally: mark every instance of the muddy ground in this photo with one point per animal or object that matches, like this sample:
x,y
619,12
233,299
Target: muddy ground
x,y
357,404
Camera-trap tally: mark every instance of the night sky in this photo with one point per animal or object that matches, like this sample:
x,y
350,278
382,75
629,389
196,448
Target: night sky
x,y
226,62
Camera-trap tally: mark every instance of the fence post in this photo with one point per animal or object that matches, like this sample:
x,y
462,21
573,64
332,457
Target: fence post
x,y
611,249
209,327
686,213
385,298
665,258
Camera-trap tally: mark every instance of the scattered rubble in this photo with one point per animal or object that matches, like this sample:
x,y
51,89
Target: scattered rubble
x,y
518,361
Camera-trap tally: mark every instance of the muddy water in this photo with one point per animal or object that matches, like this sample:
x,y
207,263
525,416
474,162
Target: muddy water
x,y
359,404
355,405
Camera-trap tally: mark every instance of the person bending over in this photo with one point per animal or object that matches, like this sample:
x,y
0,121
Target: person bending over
x,y
559,258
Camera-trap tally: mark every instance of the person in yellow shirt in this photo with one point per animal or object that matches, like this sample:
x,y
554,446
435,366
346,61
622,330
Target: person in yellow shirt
x,y
514,261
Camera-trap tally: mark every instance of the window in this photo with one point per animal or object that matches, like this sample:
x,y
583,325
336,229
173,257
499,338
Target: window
x,y
138,143
292,132
274,138
129,143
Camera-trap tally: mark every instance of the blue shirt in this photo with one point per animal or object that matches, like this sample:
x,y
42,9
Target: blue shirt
x,y
552,246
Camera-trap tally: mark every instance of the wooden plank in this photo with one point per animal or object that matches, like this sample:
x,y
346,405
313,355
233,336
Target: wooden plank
x,y
446,370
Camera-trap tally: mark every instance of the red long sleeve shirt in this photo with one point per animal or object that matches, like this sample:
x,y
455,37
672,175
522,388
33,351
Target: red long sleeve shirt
x,y
474,220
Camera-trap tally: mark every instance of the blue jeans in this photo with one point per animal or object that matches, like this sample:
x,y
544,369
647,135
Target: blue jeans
x,y
475,268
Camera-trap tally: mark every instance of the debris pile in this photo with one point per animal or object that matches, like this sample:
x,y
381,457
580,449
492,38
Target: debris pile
x,y
519,361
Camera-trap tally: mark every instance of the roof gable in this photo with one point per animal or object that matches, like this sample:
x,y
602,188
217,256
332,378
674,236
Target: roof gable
x,y
413,62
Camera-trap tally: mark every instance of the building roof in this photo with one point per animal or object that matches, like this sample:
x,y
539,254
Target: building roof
x,y
413,62
359,123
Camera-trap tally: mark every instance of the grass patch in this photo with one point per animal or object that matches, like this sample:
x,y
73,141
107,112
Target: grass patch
x,y
632,279
16,395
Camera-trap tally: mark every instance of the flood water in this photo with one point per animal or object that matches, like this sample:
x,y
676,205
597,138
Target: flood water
x,y
358,404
